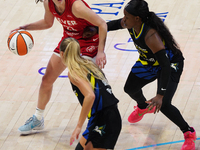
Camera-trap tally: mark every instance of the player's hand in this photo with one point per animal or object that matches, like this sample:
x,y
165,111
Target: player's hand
x,y
155,101
89,32
19,28
75,134
101,59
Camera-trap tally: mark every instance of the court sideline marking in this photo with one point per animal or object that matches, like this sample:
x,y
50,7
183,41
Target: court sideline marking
x,y
160,144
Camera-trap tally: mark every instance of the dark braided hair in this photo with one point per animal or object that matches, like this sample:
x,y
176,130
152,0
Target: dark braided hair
x,y
140,8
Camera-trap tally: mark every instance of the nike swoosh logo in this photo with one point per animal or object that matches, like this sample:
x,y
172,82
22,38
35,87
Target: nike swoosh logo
x,y
163,89
143,113
33,126
95,39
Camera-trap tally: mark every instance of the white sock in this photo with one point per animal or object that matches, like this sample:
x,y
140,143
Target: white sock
x,y
39,113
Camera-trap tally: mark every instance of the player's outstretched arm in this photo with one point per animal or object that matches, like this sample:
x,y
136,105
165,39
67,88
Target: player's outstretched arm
x,y
42,24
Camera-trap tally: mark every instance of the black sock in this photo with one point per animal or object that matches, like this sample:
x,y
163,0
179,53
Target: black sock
x,y
79,147
187,129
143,105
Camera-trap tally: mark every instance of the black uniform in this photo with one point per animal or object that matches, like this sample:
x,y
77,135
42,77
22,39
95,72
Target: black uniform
x,y
104,123
147,69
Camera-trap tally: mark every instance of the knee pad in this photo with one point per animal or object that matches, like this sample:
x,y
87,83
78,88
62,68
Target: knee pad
x,y
79,147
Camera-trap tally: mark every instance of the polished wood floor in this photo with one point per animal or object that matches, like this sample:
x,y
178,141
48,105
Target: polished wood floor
x,y
20,78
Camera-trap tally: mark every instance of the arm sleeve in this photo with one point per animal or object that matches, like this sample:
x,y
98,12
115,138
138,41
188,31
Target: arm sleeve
x,y
114,25
164,77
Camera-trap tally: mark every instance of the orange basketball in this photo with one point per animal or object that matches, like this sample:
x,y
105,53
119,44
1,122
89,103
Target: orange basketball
x,y
20,42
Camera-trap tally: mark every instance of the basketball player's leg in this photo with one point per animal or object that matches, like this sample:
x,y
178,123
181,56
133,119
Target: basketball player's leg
x,y
133,87
167,108
54,68
81,145
172,113
139,76
89,146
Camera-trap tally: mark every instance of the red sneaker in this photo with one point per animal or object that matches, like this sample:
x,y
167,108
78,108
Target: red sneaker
x,y
138,114
190,138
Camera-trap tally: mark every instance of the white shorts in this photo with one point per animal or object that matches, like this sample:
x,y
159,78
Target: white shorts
x,y
90,58
86,57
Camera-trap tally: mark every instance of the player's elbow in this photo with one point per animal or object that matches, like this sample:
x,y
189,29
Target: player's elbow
x,y
91,96
49,25
103,24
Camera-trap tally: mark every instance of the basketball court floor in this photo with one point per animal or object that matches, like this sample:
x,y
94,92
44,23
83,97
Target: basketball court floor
x,y
20,78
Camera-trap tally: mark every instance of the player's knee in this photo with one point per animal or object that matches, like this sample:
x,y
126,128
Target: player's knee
x,y
126,89
79,147
46,81
129,89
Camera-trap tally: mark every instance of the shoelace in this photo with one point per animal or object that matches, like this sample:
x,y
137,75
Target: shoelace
x,y
135,109
29,120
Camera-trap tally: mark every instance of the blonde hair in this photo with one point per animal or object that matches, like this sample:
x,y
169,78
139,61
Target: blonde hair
x,y
77,65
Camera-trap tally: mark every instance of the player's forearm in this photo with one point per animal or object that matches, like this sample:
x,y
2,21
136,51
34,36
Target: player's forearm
x,y
115,25
164,63
86,107
39,25
102,37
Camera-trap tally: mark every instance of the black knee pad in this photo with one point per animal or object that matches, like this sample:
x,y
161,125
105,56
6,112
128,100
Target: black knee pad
x,y
79,147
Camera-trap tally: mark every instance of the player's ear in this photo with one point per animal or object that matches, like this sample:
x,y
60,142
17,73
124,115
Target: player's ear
x,y
61,54
137,18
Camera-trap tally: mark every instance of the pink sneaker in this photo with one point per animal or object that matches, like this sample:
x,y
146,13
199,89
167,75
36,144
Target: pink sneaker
x,y
190,138
138,114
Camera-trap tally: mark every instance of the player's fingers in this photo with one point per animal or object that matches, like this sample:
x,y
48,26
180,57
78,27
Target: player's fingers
x,y
100,64
159,107
71,140
97,62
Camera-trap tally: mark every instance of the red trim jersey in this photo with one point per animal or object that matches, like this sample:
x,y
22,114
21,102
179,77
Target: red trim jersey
x,y
74,27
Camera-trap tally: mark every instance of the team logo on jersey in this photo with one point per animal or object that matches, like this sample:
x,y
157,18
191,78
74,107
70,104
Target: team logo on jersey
x,y
100,129
140,49
90,48
108,87
174,66
69,16
71,33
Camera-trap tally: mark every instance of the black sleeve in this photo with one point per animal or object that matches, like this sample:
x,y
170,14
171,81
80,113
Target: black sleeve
x,y
164,63
114,25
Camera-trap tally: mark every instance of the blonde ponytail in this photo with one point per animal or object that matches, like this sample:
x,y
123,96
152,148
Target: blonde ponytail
x,y
77,65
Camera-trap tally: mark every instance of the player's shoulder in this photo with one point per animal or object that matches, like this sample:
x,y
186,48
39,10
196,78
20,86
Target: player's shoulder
x,y
150,33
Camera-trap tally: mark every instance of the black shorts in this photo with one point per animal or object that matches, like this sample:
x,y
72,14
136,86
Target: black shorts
x,y
150,73
105,128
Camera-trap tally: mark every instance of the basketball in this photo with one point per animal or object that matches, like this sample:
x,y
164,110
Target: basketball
x,y
20,42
